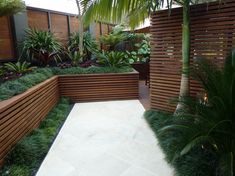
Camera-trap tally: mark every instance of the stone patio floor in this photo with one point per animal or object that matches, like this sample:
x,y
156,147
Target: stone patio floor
x,y
105,139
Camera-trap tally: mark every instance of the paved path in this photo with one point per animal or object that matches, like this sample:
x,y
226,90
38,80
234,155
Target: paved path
x,y
105,139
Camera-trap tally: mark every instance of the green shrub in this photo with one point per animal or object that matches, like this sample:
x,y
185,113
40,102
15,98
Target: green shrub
x,y
15,87
89,70
27,155
112,59
41,45
89,44
197,162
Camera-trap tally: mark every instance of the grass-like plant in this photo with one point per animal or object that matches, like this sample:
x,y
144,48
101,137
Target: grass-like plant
x,y
27,155
112,59
40,45
209,123
18,67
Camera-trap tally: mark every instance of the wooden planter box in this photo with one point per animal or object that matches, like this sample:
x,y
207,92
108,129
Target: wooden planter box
x,y
99,87
21,114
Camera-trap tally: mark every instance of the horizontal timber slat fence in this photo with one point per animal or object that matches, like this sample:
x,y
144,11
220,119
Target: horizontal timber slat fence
x,y
20,114
61,24
212,37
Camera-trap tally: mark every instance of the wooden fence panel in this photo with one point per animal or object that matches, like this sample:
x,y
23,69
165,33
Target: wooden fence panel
x,y
59,26
6,39
38,20
212,36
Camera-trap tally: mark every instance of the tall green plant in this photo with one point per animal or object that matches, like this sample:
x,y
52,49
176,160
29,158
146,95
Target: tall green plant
x,y
210,123
40,45
89,44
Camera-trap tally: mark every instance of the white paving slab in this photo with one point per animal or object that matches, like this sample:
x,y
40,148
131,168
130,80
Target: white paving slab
x,y
105,139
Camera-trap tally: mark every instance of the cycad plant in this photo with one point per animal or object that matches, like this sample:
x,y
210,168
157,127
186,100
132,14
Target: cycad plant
x,y
112,59
116,36
40,45
211,121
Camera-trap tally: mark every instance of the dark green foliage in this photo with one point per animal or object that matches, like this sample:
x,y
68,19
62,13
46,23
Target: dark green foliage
x,y
141,49
114,37
40,45
90,70
14,87
89,44
197,162
27,155
112,59
18,67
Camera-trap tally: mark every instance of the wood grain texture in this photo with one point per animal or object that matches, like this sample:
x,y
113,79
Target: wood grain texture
x,y
212,37
38,20
99,87
6,39
20,114
59,26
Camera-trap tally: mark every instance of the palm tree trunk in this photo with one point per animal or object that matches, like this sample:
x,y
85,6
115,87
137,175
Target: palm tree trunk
x,y
80,30
184,86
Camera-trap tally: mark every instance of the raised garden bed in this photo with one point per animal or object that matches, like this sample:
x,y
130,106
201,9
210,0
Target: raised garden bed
x,y
22,113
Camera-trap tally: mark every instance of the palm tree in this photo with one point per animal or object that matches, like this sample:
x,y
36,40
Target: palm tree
x,y
136,11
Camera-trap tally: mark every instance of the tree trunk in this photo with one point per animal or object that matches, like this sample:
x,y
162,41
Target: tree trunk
x,y
184,85
80,35
80,30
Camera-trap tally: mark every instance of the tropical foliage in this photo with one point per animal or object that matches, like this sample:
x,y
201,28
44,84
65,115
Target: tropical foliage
x,y
143,51
40,45
9,7
18,67
89,44
114,37
112,59
210,122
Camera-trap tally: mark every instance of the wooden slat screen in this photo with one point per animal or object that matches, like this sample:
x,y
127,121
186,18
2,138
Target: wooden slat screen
x,y
212,36
97,87
22,113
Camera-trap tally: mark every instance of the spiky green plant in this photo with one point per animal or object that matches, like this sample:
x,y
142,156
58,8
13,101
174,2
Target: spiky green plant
x,y
112,59
210,125
75,57
18,67
89,44
40,45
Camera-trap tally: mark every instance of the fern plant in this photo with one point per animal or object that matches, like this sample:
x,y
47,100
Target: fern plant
x,y
112,59
18,67
42,46
211,121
